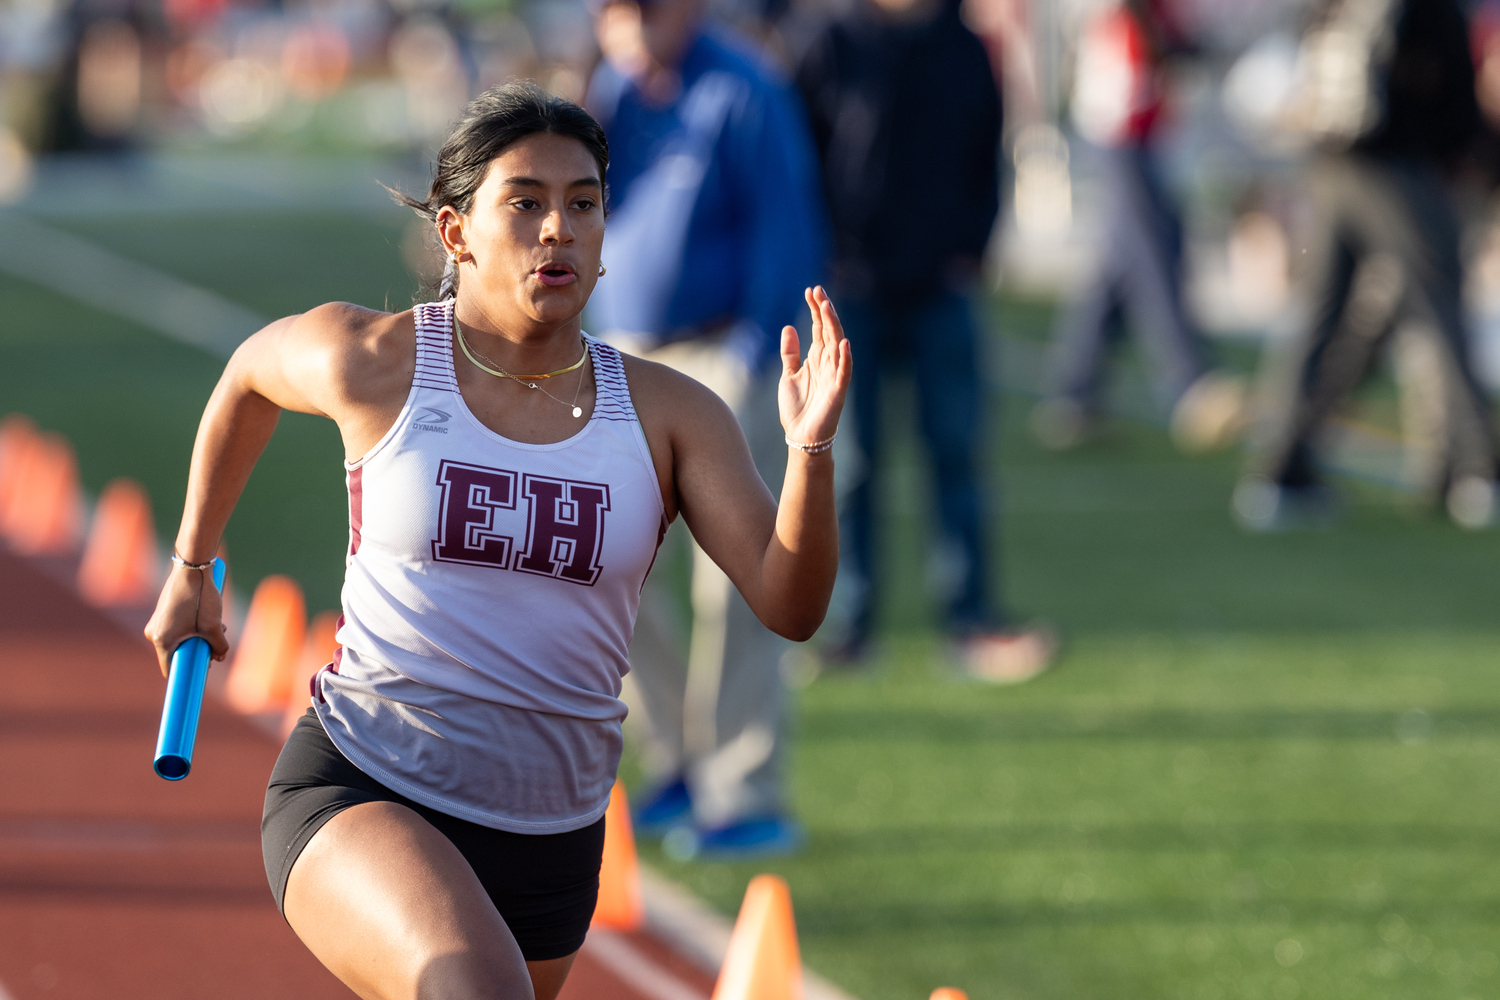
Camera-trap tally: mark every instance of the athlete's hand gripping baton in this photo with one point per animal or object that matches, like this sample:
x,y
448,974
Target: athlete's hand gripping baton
x,y
179,713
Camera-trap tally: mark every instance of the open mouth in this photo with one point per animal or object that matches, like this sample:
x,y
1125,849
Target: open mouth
x,y
557,273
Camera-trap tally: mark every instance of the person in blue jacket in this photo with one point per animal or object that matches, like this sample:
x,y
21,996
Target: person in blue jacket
x,y
716,227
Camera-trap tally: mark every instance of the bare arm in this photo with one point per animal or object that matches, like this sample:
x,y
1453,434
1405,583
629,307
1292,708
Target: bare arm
x,y
300,363
783,558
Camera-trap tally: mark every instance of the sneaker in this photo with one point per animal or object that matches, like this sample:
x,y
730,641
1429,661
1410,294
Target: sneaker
x,y
1473,503
1210,415
761,837
1007,657
671,805
1263,507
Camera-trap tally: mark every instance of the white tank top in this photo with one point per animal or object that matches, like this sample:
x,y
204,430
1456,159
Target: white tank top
x,y
490,594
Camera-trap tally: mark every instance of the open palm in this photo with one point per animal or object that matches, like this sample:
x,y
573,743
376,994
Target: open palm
x,y
812,390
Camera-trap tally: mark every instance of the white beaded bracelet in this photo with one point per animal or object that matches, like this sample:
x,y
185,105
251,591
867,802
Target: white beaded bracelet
x,y
187,565
816,446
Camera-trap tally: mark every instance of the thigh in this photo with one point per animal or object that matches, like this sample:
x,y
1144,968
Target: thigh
x,y
390,906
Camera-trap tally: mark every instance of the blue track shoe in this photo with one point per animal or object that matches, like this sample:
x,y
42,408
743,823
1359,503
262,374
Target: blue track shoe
x,y
671,806
762,837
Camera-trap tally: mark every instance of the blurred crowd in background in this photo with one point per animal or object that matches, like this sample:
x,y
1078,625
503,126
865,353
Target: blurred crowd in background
x,y
1315,175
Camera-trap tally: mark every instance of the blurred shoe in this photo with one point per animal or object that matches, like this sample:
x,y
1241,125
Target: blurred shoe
x,y
1211,413
1007,657
670,806
761,837
1060,424
1473,503
1263,507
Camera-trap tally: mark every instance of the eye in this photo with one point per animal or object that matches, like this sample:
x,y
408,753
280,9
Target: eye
x,y
584,204
526,204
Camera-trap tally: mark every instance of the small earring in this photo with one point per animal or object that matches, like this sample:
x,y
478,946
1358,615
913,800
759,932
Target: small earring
x,y
456,258
602,269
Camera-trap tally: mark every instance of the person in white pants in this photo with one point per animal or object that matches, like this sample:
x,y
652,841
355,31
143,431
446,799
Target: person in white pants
x,y
716,226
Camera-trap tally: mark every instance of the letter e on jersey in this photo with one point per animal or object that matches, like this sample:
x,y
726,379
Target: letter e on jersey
x,y
466,522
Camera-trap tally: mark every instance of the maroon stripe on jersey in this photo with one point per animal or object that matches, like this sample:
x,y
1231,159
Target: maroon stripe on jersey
x,y
356,507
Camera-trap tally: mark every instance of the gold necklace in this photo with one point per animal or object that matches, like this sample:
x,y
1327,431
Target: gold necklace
x,y
529,381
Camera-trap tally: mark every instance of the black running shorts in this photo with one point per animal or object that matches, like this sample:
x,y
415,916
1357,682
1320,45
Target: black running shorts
x,y
544,885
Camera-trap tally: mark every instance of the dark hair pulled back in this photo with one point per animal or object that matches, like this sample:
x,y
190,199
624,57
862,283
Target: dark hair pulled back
x,y
487,126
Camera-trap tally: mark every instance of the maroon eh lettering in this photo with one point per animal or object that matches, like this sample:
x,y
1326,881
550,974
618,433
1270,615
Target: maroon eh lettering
x,y
564,522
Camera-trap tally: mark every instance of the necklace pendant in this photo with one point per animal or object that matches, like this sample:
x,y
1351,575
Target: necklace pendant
x,y
577,412
531,385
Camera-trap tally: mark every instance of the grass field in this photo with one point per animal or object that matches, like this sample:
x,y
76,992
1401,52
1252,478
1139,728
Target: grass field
x,y
1263,767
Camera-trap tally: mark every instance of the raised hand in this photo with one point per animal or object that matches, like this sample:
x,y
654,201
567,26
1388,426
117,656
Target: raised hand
x,y
812,391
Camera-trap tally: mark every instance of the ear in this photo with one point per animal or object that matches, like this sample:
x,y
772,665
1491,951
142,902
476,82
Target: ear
x,y
450,227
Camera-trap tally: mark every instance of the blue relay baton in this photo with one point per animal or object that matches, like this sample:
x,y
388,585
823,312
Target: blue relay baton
x,y
179,713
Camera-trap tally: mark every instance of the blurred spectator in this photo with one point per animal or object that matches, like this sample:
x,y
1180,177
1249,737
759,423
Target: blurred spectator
x,y
906,115
96,96
1119,101
1387,91
715,229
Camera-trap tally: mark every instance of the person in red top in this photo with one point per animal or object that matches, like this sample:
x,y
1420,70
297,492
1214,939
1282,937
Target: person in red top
x,y
1119,103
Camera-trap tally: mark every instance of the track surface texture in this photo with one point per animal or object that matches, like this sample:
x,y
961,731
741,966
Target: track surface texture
x,y
115,883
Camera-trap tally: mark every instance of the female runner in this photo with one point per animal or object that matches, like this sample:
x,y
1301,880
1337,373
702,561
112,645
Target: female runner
x,y
433,827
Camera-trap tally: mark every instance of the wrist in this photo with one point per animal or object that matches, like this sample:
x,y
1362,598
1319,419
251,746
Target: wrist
x,y
193,551
812,447
180,562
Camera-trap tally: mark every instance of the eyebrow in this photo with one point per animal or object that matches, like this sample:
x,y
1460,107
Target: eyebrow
x,y
534,182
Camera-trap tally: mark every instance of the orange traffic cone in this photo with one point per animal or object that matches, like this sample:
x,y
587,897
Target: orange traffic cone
x,y
120,566
17,436
44,517
948,993
619,905
763,962
317,651
260,677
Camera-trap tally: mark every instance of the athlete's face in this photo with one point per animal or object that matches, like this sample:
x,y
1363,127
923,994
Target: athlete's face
x,y
532,239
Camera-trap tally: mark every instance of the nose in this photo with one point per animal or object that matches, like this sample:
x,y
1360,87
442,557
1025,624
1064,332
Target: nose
x,y
555,229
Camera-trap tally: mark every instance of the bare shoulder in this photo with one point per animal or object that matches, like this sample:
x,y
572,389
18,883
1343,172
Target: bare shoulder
x,y
363,335
668,401
365,352
330,359
681,418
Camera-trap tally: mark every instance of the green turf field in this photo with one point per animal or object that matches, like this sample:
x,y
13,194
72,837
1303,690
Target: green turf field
x,y
1263,767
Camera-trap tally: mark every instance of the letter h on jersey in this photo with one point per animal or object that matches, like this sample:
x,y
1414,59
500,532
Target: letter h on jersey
x,y
564,522
564,528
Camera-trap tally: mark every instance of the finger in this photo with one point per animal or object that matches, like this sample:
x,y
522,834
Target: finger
x,y
791,351
817,318
835,326
218,642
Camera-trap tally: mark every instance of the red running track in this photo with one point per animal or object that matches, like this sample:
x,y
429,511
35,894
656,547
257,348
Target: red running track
x,y
115,883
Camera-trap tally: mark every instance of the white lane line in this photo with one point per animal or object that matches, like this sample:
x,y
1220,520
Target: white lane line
x,y
110,283
636,970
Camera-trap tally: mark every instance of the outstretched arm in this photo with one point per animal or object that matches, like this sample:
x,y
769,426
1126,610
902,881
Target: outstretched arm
x,y
782,557
292,364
